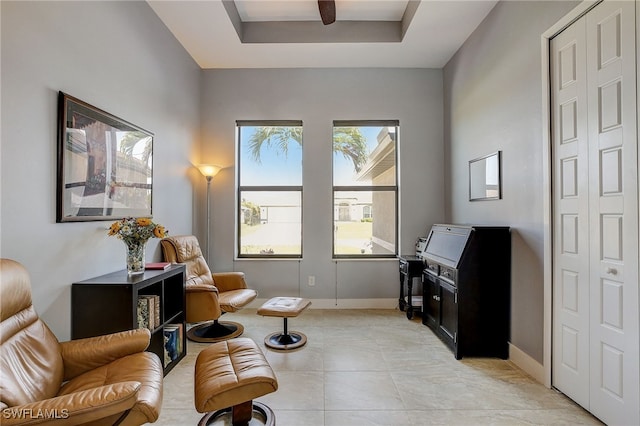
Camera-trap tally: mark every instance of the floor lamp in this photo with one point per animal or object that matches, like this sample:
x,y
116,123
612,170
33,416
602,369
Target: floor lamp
x,y
208,171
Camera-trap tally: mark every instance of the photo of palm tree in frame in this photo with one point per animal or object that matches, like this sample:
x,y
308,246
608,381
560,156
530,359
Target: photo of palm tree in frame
x,y
105,165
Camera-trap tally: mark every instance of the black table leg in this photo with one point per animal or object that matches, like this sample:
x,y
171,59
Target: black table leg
x,y
409,296
401,301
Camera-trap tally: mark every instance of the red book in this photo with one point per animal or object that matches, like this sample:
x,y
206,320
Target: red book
x,y
157,265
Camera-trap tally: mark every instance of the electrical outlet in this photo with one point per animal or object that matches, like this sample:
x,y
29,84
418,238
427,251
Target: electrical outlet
x,y
312,280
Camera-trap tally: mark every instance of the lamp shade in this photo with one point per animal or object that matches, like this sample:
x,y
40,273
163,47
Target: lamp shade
x,y
209,170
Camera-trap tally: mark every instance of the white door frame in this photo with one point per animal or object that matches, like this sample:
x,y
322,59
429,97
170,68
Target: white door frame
x,y
547,336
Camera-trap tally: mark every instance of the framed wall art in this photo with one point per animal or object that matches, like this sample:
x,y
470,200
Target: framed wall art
x,y
105,165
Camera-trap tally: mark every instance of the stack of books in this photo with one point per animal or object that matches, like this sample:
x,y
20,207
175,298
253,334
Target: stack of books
x,y
149,312
172,342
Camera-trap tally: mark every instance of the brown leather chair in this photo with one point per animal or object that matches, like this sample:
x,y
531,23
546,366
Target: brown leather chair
x,y
209,295
104,380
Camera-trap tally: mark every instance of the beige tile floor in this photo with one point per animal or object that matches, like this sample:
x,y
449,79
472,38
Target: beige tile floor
x,y
375,367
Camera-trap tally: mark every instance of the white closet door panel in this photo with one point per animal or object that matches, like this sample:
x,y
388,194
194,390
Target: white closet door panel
x,y
596,329
613,202
571,215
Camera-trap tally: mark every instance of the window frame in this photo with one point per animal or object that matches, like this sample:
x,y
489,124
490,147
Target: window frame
x,y
264,188
367,188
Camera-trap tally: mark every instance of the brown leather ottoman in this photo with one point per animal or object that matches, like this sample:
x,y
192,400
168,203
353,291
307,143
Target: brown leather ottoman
x,y
228,376
284,307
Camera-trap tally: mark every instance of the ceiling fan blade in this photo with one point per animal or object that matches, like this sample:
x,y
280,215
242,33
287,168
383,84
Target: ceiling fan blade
x,y
327,11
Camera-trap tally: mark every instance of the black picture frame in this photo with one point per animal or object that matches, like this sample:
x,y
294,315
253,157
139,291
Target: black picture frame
x,y
105,165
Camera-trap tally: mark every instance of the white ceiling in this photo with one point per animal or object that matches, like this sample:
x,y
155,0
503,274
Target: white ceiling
x,y
300,10
436,31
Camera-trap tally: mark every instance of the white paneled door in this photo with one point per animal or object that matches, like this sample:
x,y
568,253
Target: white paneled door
x,y
596,334
571,214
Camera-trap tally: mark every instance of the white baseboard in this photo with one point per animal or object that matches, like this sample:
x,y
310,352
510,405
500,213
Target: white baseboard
x,y
526,363
342,303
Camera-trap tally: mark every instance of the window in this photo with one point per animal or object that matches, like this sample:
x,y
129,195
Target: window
x,y
269,188
365,188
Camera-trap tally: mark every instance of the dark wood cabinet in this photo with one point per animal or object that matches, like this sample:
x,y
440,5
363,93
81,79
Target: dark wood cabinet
x,y
448,326
109,303
431,314
467,288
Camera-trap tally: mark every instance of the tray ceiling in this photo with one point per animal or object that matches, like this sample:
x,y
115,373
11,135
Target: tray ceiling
x,y
289,33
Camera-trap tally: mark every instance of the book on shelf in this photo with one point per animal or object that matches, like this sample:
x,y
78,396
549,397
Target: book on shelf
x,y
152,313
157,265
155,299
173,337
143,313
179,338
167,358
146,313
149,311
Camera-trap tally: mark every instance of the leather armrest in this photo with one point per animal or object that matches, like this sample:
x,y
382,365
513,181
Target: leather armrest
x,y
83,407
226,281
203,288
82,355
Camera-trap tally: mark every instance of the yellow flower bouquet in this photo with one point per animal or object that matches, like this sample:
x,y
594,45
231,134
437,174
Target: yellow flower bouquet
x,y
135,232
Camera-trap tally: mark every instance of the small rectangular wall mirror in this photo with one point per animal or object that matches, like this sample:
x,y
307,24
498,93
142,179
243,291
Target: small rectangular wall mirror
x,y
485,177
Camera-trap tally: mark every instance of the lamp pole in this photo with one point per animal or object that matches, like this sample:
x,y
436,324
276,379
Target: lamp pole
x,y
208,218
208,171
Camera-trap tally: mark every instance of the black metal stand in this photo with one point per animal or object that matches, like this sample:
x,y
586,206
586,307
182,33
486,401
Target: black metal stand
x,y
285,340
261,413
215,331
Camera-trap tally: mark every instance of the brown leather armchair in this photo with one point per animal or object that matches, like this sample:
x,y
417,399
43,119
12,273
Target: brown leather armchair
x,y
104,380
209,295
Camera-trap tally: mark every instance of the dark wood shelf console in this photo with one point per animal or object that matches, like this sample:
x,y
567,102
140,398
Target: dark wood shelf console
x,y
108,304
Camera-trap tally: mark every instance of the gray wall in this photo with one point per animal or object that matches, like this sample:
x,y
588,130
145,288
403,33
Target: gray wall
x,y
492,102
119,57
317,97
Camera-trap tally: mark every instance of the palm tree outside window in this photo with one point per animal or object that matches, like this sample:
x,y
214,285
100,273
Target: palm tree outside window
x,y
270,189
365,192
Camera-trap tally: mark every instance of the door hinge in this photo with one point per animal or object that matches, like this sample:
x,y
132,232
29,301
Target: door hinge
x,y
455,297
